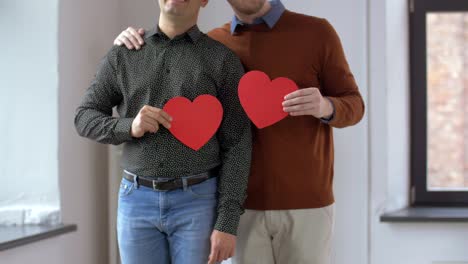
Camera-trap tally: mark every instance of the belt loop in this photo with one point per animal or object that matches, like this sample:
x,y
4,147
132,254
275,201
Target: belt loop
x,y
184,183
135,181
135,178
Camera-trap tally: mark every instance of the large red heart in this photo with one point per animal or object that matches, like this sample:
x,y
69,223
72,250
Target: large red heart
x,y
195,123
262,98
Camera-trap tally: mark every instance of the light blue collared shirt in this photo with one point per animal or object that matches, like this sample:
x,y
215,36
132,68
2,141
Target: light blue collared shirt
x,y
270,18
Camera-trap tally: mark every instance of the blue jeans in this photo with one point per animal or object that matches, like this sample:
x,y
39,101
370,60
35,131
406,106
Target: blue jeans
x,y
166,227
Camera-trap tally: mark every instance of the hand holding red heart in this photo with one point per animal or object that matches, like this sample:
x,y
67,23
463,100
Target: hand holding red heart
x,y
266,102
261,98
307,101
194,122
148,120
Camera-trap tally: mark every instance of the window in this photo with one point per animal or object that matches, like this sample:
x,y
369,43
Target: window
x,y
28,113
439,101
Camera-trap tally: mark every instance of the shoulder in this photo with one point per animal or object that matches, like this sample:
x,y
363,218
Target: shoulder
x,y
120,55
221,32
312,26
117,53
215,44
308,22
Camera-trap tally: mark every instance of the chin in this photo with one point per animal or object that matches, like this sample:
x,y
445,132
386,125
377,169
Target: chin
x,y
173,11
247,7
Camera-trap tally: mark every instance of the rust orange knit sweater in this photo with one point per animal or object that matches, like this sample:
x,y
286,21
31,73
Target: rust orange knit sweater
x,y
292,166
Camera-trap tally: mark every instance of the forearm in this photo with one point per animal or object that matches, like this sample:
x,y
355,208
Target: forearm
x,y
349,110
233,181
102,127
338,81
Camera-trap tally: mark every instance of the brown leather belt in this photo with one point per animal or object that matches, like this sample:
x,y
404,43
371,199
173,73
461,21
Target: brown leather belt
x,y
170,184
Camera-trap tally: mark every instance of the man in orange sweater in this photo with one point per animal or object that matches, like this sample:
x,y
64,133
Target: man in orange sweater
x,y
289,213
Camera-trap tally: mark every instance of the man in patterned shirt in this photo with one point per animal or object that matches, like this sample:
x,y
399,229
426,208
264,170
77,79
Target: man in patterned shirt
x,y
289,214
176,205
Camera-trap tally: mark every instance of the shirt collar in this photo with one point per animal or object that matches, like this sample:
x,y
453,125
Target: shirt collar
x,y
270,18
194,33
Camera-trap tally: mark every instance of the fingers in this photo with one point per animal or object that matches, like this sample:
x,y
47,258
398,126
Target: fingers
x,y
152,127
137,34
125,41
141,126
165,122
224,255
166,115
215,247
157,115
135,39
300,113
302,92
213,258
148,115
165,119
118,42
130,38
301,103
300,107
221,252
302,100
220,255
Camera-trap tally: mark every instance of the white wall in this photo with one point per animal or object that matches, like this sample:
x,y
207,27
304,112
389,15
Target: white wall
x,y
409,243
351,168
28,138
138,14
85,32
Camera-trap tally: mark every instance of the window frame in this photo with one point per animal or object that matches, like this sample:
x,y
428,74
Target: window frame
x,y
418,104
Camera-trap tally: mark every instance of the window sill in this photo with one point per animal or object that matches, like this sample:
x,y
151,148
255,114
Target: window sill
x,y
427,214
15,236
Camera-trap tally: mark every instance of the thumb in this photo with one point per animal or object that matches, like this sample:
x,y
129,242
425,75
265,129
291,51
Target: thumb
x,y
141,31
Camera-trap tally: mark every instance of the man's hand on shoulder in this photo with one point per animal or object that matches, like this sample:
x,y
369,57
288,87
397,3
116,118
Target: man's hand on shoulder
x,y
131,38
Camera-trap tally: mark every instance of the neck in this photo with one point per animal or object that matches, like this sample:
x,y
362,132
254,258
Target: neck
x,y
249,19
173,28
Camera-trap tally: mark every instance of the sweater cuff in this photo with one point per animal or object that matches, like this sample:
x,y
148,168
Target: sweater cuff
x,y
122,129
332,116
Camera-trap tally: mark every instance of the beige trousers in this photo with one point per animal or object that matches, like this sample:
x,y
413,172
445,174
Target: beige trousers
x,y
285,236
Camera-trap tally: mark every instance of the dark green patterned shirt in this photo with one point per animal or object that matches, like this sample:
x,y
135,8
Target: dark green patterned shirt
x,y
189,65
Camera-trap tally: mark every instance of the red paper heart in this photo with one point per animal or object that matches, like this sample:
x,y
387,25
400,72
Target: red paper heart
x,y
195,123
262,99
